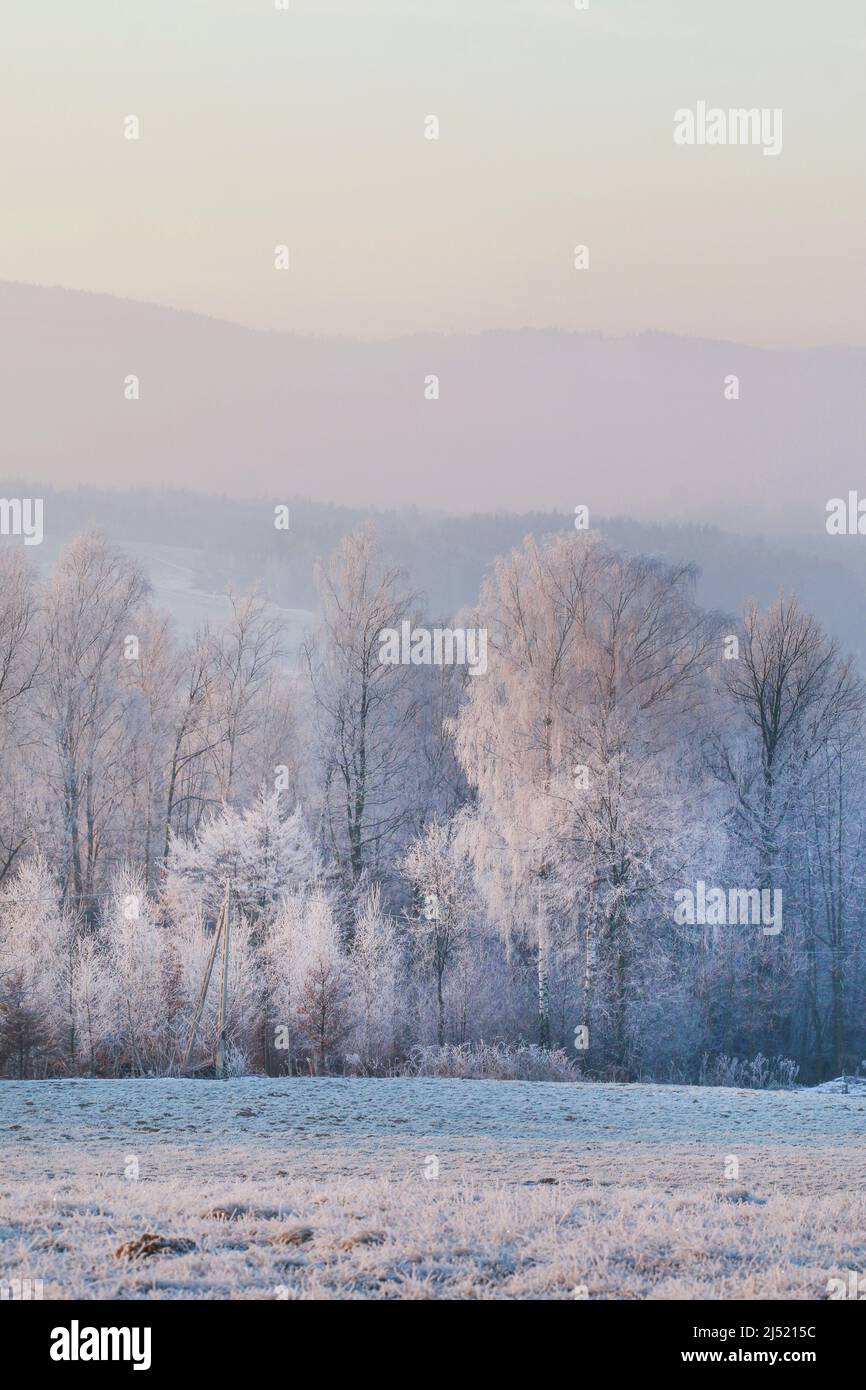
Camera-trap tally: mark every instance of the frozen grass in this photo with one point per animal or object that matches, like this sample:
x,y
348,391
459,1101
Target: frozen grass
x,y
299,1188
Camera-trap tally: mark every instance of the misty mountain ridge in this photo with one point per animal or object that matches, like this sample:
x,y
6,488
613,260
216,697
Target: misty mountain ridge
x,y
526,421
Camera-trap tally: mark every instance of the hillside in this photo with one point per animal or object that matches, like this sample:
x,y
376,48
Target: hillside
x,y
526,420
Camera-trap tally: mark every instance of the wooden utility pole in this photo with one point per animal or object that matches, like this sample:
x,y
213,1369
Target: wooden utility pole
x,y
221,928
224,990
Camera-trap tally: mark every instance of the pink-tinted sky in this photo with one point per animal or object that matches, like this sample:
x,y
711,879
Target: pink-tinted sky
x,y
306,126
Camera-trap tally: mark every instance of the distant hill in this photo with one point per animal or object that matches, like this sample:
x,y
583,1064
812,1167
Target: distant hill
x,y
526,421
177,583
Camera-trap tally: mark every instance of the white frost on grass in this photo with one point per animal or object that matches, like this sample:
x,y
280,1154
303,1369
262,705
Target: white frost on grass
x,y
541,1189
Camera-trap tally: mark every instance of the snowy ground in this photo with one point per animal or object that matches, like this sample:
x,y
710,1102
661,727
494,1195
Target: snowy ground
x,y
268,1188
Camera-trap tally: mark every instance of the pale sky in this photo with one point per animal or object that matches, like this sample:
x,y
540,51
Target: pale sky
x,y
306,127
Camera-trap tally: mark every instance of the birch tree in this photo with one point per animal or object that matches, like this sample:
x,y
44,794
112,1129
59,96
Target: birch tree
x,y
364,707
595,668
91,606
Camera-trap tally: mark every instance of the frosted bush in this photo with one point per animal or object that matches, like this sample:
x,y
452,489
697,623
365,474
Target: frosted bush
x,y
237,1061
760,1074
490,1061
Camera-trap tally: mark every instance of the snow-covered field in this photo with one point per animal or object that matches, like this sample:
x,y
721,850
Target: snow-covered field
x,y
292,1188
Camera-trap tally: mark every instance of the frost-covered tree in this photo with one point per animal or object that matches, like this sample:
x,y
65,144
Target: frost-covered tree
x,y
511,731
595,667
20,661
308,978
375,969
246,652
150,681
828,884
790,758
91,605
191,942
91,999
550,810
265,851
322,1007
441,876
36,938
195,736
364,707
791,690
135,951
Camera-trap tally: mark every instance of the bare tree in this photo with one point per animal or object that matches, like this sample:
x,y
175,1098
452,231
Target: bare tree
x,y
800,707
246,651
364,707
20,662
194,738
91,606
794,690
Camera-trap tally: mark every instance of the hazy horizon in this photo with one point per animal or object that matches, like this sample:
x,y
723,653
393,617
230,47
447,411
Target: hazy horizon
x,y
399,335
308,128
524,420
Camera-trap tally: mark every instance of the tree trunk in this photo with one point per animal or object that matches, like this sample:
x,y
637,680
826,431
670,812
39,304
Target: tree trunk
x,y
837,994
543,986
440,1032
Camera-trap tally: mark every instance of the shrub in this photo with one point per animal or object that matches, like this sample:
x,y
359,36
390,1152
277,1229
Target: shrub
x,y
760,1074
489,1061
